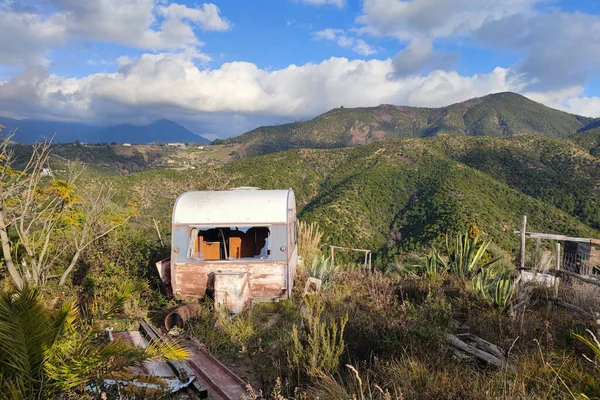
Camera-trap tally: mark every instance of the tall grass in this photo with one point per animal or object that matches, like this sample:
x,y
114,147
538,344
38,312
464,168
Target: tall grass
x,y
309,241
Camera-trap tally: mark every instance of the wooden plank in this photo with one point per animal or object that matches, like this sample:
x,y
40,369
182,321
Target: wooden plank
x,y
235,247
538,243
212,250
523,243
557,279
349,249
483,345
550,236
472,350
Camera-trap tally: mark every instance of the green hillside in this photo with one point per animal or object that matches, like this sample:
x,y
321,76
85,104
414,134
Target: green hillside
x,y
496,115
399,195
589,139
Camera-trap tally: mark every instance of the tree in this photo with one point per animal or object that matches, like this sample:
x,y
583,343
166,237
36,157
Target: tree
x,y
31,210
37,213
93,219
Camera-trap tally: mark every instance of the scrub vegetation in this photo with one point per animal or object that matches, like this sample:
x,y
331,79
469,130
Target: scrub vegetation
x,y
439,215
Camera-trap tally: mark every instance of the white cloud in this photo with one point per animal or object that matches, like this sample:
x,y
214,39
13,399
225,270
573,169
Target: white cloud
x,y
135,23
409,19
359,46
362,48
207,16
336,3
26,35
558,49
328,34
172,86
571,99
173,81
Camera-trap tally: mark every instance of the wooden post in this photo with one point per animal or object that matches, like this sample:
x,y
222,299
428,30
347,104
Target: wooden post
x,y
557,276
597,318
366,264
158,231
523,239
522,261
537,254
332,257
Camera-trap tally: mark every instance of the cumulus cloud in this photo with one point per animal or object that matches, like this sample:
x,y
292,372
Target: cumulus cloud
x,y
571,99
407,19
30,33
559,49
359,46
172,86
173,81
26,35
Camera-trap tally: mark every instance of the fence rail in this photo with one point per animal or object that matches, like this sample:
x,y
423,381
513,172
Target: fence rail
x,y
559,271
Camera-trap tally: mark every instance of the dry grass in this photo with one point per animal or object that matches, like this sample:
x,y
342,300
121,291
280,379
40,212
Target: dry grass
x,y
395,345
309,242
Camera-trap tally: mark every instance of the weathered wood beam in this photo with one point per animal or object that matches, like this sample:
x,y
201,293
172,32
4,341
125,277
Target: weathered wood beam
x,y
584,278
557,277
482,344
571,307
474,351
550,236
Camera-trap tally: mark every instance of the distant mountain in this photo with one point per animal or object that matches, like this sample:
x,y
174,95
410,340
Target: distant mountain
x,y
32,130
495,115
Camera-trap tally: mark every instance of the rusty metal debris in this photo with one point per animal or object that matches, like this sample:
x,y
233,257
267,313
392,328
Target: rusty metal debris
x,y
200,376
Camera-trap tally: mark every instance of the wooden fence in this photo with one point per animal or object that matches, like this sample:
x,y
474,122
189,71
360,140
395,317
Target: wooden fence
x,y
367,265
557,273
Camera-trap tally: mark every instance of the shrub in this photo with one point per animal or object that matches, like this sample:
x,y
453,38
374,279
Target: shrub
x,y
317,350
48,352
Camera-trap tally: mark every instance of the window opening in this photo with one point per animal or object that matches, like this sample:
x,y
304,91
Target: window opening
x,y
229,243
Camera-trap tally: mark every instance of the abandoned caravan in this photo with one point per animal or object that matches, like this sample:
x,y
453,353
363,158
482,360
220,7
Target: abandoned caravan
x,y
233,245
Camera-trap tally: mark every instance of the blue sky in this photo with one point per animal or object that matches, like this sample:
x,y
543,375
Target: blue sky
x,y
224,67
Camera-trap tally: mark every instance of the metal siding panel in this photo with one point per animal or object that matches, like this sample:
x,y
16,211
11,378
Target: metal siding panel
x,y
228,207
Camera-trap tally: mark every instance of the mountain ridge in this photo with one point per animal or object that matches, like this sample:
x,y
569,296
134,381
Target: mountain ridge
x,y
28,131
497,115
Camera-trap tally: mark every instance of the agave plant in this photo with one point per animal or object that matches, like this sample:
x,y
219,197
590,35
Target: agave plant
x,y
497,290
430,265
48,352
322,269
465,257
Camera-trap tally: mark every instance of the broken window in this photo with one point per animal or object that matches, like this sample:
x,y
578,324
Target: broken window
x,y
229,243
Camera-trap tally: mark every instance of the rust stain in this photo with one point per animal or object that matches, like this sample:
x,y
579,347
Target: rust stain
x,y
194,280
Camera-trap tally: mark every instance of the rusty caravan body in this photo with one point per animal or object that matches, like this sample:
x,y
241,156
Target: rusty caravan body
x,y
233,245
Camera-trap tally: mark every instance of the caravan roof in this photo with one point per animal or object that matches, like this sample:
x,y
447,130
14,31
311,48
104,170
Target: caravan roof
x,y
233,207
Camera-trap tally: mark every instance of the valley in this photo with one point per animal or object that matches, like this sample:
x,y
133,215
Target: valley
x,y
420,200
